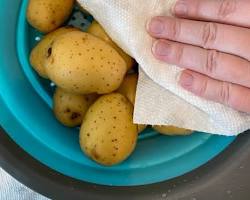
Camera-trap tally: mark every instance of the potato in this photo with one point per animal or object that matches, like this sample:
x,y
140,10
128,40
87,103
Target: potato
x,y
108,134
40,51
172,130
70,108
141,127
81,63
47,15
128,87
96,29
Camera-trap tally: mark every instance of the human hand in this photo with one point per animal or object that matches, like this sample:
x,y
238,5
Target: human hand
x,y
211,40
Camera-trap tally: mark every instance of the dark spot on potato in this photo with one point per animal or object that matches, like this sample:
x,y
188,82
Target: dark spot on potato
x,y
67,110
107,84
92,58
53,22
115,117
95,121
114,127
88,134
114,155
49,52
95,154
109,132
75,115
80,54
102,141
101,50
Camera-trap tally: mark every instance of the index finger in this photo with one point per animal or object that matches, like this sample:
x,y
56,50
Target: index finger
x,y
233,12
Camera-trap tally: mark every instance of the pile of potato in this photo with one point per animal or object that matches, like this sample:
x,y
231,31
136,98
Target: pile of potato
x,y
94,89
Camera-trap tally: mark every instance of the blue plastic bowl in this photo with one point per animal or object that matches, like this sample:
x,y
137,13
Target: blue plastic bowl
x,y
25,113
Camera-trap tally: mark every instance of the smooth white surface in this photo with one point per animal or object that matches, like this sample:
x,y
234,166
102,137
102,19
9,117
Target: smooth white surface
x,y
11,189
160,100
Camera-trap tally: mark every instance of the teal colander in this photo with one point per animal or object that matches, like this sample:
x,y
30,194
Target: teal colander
x,y
25,114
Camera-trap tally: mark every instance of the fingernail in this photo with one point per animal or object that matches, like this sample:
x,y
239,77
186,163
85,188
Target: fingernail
x,y
161,48
180,8
186,80
155,26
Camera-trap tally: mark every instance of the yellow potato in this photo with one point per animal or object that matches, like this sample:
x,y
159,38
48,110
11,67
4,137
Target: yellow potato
x,y
81,63
40,51
141,127
96,29
47,15
172,130
128,87
70,108
108,134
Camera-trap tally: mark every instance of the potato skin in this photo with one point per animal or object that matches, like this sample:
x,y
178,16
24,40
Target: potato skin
x,y
128,87
108,134
47,15
40,51
82,63
96,29
141,127
70,108
172,130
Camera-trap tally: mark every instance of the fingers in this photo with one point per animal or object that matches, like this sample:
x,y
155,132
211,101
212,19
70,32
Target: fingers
x,y
221,66
235,12
232,95
225,38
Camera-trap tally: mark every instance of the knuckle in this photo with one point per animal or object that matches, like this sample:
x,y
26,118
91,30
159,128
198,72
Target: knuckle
x,y
224,93
179,53
211,62
226,8
209,34
176,26
203,88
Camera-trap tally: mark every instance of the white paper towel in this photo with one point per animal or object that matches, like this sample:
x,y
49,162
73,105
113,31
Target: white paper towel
x,y
11,189
159,99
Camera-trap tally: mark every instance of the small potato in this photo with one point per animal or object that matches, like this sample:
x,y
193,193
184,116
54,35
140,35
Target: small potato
x,y
70,108
47,15
40,51
108,134
172,130
128,87
96,29
141,127
81,63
